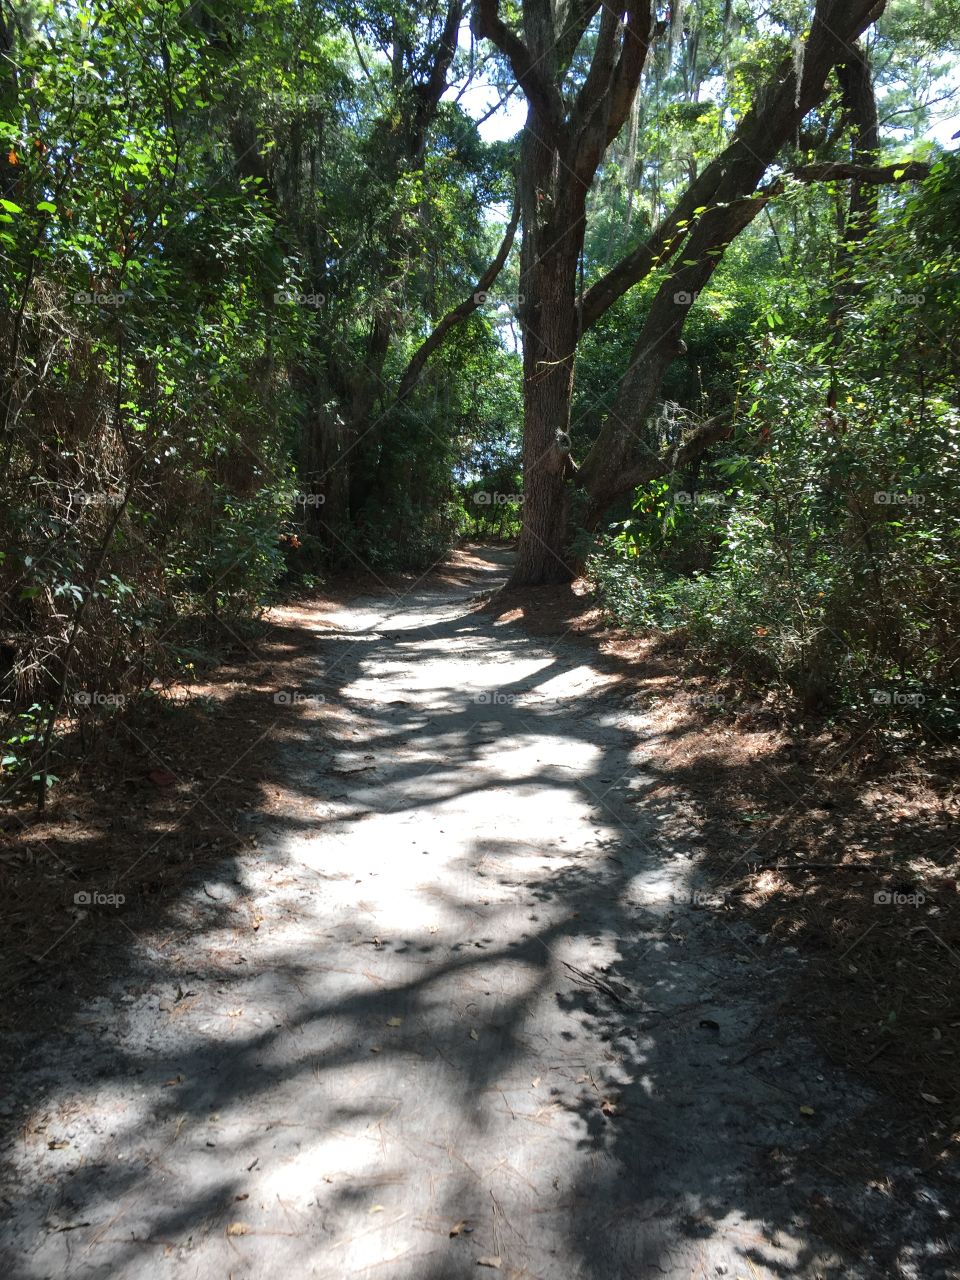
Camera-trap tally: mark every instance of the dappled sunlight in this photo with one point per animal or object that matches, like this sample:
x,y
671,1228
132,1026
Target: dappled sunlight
x,y
461,998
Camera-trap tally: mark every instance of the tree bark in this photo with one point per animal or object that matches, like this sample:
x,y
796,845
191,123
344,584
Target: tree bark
x,y
552,240
561,152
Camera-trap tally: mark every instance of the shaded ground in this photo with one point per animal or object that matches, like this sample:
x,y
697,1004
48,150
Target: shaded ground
x,y
834,838
457,988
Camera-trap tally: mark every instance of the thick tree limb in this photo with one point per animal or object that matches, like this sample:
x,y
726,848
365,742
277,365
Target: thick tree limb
x,y
542,95
778,109
676,459
729,222
661,244
637,35
597,84
875,174
466,308
668,236
737,198
604,101
572,23
435,86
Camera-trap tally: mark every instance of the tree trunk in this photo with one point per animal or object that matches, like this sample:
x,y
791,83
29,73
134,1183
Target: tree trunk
x,y
547,390
563,145
550,251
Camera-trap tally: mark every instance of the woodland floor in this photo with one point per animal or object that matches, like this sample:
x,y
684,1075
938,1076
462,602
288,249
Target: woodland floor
x,y
502,955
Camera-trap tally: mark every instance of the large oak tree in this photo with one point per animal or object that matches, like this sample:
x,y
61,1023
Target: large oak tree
x,y
572,119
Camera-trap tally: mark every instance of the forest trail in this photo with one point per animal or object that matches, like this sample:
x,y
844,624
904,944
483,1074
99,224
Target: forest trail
x,y
477,1012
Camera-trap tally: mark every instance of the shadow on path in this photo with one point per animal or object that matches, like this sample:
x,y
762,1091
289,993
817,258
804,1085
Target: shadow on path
x,y
460,1003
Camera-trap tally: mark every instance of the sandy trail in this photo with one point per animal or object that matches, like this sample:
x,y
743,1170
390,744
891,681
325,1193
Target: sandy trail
x,y
484,1018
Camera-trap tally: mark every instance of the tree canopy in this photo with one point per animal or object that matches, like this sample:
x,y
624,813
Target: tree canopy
x,y
292,287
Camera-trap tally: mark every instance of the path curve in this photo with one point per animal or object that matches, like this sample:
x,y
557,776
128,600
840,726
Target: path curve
x,y
487,1016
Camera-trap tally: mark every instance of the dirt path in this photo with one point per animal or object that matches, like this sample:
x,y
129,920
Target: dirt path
x,y
471,1009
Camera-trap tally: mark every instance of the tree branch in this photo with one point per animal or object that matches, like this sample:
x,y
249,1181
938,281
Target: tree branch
x,y
735,172
543,96
604,101
435,86
573,23
733,202
596,86
837,171
466,308
676,459
637,34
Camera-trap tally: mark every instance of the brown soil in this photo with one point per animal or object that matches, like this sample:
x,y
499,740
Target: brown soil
x,y
801,826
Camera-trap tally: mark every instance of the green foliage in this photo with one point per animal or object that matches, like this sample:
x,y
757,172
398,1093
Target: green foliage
x,y
222,241
819,549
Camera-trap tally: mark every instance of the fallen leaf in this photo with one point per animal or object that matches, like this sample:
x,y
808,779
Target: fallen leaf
x,y
535,1082
929,1097
394,1022
473,1034
245,1195
58,1144
608,1107
375,1208
375,1048
493,1261
807,1111
238,1229
172,1081
709,1024
458,1227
